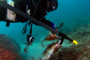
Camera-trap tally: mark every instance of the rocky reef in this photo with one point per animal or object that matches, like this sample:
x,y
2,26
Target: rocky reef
x,y
79,52
9,49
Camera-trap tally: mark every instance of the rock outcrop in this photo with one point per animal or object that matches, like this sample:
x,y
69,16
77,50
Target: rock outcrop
x,y
9,49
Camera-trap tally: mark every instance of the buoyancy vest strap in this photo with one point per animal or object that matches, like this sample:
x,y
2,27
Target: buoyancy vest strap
x,y
31,29
7,24
29,2
35,6
35,20
33,15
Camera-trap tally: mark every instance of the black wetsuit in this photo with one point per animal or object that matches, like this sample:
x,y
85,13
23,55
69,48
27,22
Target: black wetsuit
x,y
39,14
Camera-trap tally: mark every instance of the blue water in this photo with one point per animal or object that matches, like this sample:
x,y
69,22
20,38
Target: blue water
x,y
70,12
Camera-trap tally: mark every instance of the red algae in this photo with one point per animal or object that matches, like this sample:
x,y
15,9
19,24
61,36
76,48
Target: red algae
x,y
8,55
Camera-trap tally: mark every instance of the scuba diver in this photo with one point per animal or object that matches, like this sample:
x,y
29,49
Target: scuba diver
x,y
39,9
35,8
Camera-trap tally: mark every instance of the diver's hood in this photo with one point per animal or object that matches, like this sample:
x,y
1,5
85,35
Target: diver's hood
x,y
53,5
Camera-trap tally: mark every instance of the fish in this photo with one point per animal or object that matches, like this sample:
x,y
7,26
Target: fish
x,y
53,36
51,50
50,37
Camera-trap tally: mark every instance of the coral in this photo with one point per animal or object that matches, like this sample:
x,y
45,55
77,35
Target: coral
x,y
9,49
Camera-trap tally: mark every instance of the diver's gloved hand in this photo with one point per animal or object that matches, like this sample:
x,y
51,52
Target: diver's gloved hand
x,y
75,42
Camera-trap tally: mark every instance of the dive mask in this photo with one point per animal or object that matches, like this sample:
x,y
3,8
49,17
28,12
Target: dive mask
x,y
51,8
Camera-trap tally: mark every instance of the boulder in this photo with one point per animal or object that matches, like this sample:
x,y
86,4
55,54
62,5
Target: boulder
x,y
9,49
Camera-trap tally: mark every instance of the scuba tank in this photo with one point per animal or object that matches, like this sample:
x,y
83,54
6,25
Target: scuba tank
x,y
10,14
10,2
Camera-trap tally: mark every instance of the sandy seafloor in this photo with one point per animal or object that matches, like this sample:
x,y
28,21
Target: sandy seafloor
x,y
72,13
